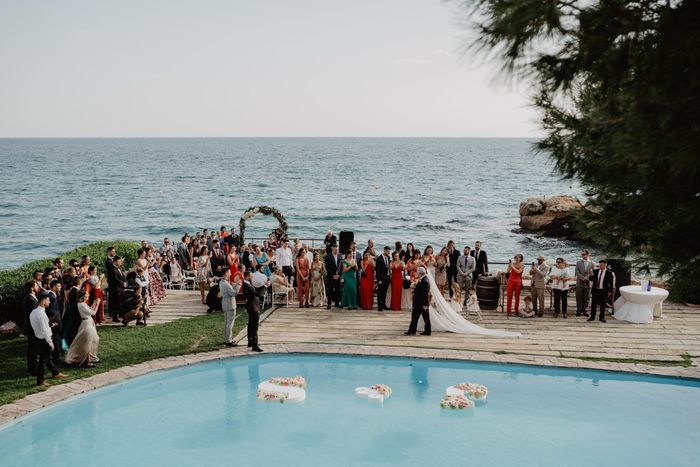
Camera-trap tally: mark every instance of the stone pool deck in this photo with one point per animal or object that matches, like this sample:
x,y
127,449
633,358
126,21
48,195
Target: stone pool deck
x,y
669,346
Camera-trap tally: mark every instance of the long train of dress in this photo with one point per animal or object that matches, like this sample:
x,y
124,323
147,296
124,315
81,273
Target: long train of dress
x,y
445,316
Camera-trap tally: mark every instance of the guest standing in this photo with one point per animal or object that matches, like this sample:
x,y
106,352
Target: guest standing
x,y
228,293
560,286
466,265
482,262
330,241
54,312
29,304
539,272
71,316
515,282
584,270
83,349
253,308
429,260
367,281
303,279
232,260
97,296
397,268
203,272
42,339
84,265
318,288
370,249
217,261
116,289
283,257
349,296
421,301
260,259
334,270
383,273
442,262
408,255
398,248
413,265
603,284
453,255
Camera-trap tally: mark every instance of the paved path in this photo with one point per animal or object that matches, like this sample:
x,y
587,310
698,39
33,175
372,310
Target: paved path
x,y
177,304
670,339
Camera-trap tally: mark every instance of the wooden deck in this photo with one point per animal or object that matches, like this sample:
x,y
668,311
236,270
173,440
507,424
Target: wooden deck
x,y
177,304
671,339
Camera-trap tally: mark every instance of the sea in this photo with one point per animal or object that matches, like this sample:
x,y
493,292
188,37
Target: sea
x,y
57,194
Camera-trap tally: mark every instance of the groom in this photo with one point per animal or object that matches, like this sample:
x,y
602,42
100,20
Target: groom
x,y
421,300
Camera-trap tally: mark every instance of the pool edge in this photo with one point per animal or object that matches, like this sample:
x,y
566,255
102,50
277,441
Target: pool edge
x,y
54,394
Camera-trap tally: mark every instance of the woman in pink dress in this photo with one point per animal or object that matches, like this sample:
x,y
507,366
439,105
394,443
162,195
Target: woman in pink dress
x,y
367,282
303,278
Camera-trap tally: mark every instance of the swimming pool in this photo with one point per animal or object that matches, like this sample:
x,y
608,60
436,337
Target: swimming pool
x,y
207,414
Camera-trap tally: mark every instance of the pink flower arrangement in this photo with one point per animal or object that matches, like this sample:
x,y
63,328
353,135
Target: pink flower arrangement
x,y
382,389
271,396
296,381
473,390
456,402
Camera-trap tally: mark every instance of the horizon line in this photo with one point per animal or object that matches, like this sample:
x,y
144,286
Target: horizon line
x,y
261,137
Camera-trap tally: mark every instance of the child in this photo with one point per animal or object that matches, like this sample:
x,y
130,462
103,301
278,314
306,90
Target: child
x,y
456,293
473,303
526,310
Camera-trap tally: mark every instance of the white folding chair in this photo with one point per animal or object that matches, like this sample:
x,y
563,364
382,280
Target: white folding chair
x,y
277,293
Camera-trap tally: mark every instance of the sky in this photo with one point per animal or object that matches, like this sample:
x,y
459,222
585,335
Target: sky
x,y
247,68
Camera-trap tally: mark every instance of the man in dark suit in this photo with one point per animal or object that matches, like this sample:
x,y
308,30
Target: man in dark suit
x,y
383,274
482,262
54,314
218,260
334,269
252,305
29,303
421,302
453,254
601,287
116,283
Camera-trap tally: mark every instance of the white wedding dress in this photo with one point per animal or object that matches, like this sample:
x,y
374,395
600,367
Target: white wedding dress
x,y
445,316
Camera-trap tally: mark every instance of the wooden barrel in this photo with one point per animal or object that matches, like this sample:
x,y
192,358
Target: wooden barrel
x,y
487,291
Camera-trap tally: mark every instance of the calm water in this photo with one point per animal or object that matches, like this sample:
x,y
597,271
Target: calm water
x,y
207,415
59,193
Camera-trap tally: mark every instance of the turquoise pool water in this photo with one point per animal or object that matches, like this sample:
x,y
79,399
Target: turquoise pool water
x,y
207,415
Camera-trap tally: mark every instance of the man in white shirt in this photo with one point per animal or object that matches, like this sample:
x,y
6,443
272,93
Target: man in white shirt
x,y
260,280
43,340
283,257
309,254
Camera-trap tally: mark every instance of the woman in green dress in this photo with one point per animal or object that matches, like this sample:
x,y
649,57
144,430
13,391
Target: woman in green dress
x,y
349,297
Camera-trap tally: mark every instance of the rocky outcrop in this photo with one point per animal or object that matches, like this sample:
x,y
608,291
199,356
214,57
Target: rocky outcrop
x,y
549,216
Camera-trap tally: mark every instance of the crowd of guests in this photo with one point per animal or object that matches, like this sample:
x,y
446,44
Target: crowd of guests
x,y
63,305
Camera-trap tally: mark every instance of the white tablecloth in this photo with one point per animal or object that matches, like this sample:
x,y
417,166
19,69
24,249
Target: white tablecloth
x,y
639,306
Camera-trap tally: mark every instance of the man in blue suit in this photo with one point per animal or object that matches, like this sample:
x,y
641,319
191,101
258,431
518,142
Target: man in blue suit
x,y
334,269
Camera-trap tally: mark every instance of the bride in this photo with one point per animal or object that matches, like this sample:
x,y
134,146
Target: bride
x,y
445,316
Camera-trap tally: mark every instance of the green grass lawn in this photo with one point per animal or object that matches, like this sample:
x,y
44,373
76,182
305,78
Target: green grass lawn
x,y
119,346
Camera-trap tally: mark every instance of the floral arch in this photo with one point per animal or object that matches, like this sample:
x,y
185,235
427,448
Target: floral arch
x,y
280,231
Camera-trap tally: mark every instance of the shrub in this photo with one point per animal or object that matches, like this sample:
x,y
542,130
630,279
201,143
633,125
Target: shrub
x,y
12,281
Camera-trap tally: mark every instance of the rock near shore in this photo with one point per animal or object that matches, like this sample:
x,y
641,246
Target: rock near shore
x,y
550,217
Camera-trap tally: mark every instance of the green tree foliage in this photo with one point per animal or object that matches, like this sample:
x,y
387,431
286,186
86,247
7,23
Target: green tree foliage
x,y
618,87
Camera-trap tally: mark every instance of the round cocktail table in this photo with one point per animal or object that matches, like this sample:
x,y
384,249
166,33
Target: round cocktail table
x,y
639,306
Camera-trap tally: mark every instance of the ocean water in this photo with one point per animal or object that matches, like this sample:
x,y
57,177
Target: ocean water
x,y
207,414
57,194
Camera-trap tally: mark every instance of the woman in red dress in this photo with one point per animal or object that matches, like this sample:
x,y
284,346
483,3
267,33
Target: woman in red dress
x,y
515,282
396,267
232,260
367,282
96,293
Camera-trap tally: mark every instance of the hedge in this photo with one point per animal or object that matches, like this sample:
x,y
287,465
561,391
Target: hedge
x,y
12,281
